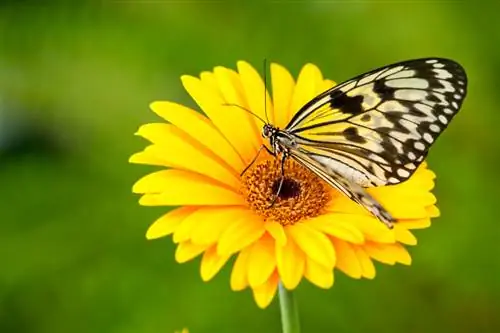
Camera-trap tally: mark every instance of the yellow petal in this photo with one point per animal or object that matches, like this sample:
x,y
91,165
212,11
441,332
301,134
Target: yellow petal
x,y
168,223
186,251
291,263
211,263
233,92
239,276
314,243
308,83
256,94
209,229
325,85
432,211
319,274
180,188
201,129
276,230
366,264
147,157
240,234
415,224
189,228
401,206
380,252
388,253
179,149
347,261
404,236
261,261
283,84
189,223
328,224
264,294
232,122
370,226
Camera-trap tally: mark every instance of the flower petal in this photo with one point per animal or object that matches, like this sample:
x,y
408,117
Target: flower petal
x,y
239,276
276,230
314,243
233,92
200,128
291,263
432,211
367,267
326,84
211,263
147,157
240,234
190,226
186,251
232,122
264,293
319,274
388,253
180,188
210,228
169,222
181,150
329,225
347,261
256,93
261,261
415,224
370,226
308,83
403,235
283,84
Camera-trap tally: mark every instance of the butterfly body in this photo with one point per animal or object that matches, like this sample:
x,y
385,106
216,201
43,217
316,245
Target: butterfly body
x,y
374,129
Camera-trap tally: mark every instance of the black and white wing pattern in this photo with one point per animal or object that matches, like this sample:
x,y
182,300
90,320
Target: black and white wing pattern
x,y
376,129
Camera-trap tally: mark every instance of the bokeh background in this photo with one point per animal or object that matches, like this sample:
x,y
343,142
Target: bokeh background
x,y
76,79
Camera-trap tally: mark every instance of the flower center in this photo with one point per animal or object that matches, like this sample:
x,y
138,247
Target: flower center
x,y
302,194
289,189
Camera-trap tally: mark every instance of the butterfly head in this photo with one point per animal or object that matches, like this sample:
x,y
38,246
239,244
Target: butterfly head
x,y
268,131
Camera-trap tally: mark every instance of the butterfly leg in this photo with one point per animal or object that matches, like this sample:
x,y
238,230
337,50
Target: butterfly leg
x,y
282,179
255,158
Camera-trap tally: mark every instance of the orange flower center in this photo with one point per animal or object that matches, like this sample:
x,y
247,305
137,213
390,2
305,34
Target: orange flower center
x,y
302,194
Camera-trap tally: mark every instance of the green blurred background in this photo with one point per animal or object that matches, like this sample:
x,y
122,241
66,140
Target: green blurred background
x,y
75,83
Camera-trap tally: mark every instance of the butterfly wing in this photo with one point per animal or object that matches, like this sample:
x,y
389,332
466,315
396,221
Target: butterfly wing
x,y
352,190
376,129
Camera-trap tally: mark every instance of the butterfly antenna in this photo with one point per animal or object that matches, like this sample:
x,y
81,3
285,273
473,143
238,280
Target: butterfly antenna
x,y
265,90
245,109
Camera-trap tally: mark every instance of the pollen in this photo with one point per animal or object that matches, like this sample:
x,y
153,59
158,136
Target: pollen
x,y
302,194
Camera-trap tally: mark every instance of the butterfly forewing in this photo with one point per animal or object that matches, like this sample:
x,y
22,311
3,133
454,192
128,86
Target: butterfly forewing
x,y
376,129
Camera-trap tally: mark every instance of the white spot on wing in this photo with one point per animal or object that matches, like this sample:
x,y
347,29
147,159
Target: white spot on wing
x,y
428,138
416,83
443,119
431,61
435,128
442,73
448,111
419,145
403,173
391,71
403,74
410,94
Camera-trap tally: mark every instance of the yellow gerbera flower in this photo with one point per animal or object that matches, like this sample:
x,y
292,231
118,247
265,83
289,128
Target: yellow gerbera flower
x,y
309,231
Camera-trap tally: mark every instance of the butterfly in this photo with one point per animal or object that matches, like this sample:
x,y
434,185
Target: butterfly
x,y
372,130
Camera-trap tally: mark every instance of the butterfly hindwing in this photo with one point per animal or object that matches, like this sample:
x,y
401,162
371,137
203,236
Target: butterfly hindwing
x,y
379,126
349,188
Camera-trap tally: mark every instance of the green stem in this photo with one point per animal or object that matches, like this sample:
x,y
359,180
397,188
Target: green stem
x,y
289,311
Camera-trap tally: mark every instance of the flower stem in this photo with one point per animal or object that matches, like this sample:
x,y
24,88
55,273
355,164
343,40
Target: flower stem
x,y
289,311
